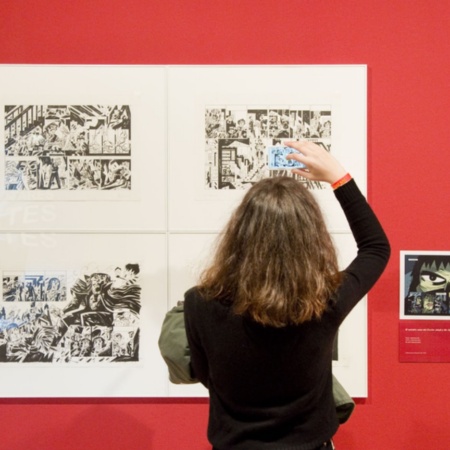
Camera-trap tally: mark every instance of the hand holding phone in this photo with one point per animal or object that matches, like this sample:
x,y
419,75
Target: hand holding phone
x,y
276,155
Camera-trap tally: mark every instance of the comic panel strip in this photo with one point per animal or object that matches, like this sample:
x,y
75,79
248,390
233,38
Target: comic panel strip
x,y
67,147
426,285
236,139
45,317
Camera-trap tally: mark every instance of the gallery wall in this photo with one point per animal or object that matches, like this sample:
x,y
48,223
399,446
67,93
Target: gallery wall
x,y
405,47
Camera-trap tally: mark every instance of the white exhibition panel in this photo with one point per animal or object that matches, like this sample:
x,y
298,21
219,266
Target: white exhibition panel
x,y
167,219
77,256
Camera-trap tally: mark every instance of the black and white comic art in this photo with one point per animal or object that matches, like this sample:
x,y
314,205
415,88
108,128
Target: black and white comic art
x,y
237,139
47,318
67,147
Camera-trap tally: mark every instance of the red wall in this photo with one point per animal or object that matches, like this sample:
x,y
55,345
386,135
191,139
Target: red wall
x,y
406,47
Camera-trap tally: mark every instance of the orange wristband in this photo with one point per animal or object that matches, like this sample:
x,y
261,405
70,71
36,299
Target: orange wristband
x,y
345,179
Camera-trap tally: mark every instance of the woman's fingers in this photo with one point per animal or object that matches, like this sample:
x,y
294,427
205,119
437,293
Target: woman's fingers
x,y
320,164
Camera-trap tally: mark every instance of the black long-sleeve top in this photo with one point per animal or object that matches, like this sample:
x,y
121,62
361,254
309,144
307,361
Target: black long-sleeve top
x,y
271,388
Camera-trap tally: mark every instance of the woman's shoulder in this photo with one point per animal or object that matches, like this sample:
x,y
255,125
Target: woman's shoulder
x,y
192,294
193,299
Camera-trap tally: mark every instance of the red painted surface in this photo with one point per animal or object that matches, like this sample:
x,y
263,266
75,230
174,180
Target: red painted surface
x,y
406,47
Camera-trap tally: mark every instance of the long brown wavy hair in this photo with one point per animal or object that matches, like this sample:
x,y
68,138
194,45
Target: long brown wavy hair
x,y
275,261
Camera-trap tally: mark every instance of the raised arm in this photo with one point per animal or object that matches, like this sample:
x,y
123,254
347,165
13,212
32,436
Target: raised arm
x,y
371,240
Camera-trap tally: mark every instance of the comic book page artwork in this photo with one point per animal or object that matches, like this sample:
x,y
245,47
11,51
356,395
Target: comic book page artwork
x,y
237,138
67,147
57,318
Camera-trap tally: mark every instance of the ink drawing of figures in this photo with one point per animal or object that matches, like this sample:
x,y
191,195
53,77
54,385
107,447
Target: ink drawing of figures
x,y
236,139
94,320
45,143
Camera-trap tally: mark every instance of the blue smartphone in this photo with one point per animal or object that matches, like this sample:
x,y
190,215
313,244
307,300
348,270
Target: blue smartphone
x,y
276,156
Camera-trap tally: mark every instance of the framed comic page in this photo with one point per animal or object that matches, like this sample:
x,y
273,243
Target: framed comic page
x,y
222,120
80,315
83,148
